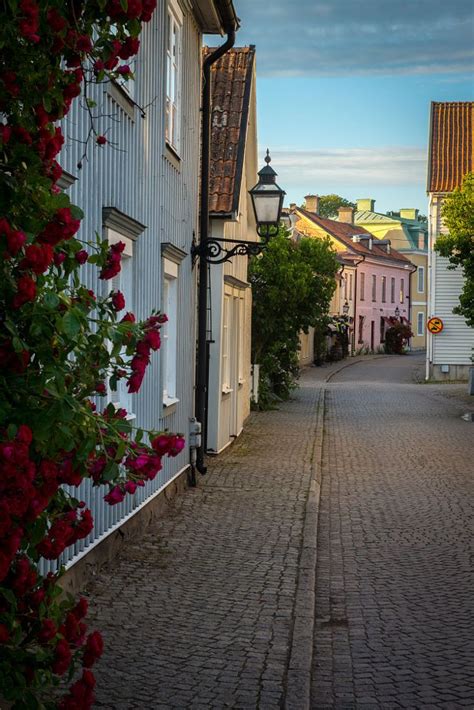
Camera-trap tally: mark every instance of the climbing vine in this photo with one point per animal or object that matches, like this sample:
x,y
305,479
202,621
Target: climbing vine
x,y
62,346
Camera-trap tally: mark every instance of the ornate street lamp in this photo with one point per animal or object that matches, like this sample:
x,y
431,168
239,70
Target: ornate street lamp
x,y
345,308
267,202
397,312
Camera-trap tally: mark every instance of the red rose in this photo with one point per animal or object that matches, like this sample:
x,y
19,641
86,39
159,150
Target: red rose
x,y
114,496
15,241
129,48
118,300
101,140
62,657
93,650
4,634
83,43
82,256
26,291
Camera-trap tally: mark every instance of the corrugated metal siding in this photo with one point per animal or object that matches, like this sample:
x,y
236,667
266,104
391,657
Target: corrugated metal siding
x,y
454,345
133,175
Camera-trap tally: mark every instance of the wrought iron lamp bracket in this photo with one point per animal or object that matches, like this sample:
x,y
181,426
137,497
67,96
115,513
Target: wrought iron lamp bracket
x,y
216,250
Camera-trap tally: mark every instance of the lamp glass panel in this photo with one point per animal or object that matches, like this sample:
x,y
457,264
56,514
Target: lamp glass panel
x,y
267,208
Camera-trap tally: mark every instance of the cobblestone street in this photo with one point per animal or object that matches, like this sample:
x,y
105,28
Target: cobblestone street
x,y
394,603
202,612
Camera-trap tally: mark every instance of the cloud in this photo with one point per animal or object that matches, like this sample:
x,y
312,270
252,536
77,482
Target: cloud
x,y
315,170
368,37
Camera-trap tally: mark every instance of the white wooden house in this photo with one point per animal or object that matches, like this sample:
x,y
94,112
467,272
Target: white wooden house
x,y
143,188
451,156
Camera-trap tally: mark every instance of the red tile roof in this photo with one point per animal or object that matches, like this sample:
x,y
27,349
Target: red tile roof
x,y
343,231
451,150
231,79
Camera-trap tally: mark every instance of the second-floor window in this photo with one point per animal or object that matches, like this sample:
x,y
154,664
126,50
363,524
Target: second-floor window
x,y
384,289
392,290
421,279
362,287
351,278
374,287
402,290
174,24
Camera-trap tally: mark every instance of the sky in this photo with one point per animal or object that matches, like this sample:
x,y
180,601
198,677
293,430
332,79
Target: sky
x,y
344,90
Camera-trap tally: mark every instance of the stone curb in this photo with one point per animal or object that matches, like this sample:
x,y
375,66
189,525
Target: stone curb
x,y
354,361
298,682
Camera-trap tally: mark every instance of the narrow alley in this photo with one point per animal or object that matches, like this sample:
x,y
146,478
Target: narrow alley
x,y
203,611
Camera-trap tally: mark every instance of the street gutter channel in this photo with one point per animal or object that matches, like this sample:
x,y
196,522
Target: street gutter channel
x,y
298,681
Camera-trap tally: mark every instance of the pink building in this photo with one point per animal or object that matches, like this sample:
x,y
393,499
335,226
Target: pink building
x,y
377,287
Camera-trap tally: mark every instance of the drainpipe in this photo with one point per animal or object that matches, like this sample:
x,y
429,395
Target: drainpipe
x,y
202,345
354,330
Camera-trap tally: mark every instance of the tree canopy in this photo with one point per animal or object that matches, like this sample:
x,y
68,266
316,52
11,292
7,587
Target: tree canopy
x,y
458,244
329,204
292,285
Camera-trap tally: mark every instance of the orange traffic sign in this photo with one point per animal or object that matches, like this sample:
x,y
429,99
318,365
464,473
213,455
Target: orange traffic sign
x,y
435,325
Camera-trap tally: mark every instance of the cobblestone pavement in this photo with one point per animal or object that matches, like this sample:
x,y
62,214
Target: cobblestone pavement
x,y
198,614
394,595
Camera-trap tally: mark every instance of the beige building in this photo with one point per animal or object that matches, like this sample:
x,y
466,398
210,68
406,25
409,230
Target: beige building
x,y
233,173
409,236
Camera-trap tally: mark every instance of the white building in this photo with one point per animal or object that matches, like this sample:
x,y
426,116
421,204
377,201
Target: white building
x,y
451,156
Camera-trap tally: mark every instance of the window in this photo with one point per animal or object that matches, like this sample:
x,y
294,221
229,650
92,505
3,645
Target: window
x,y
384,289
345,286
402,290
420,323
123,281
374,287
421,279
351,284
392,289
169,332
362,287
382,330
361,329
174,22
226,346
241,341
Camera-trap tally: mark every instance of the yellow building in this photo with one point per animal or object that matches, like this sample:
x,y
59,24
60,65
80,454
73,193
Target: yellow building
x,y
409,236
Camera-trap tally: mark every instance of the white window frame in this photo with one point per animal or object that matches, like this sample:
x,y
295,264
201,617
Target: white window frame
x,y
225,347
420,328
240,363
420,279
173,68
121,398
169,332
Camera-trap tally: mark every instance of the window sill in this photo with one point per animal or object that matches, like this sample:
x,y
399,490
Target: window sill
x,y
121,98
172,157
169,401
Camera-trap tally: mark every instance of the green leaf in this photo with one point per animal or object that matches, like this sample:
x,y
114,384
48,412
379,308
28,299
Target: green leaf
x,y
12,430
50,300
124,5
76,212
70,324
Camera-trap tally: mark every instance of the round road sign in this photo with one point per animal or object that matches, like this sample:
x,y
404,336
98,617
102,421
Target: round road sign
x,y
435,325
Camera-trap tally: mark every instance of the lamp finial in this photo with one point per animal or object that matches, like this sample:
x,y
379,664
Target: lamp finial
x,y
267,157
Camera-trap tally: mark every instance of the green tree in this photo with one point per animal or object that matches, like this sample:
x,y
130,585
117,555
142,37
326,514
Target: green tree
x,y
458,244
292,284
329,204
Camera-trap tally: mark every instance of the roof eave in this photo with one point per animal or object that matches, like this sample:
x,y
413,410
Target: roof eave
x,y
216,16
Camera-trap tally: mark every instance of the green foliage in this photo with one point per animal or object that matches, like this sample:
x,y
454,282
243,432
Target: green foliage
x,y
458,244
292,284
397,336
329,204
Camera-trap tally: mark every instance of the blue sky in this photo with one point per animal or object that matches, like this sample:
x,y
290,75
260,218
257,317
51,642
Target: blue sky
x,y
344,90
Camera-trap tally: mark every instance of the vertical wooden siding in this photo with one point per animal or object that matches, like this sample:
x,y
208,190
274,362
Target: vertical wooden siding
x,y
133,175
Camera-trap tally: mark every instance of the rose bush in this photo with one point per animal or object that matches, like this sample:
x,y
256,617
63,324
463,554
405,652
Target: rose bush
x,y
62,347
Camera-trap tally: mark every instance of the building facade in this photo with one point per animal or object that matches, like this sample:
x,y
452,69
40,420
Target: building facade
x,y
375,280
451,156
233,173
142,188
408,235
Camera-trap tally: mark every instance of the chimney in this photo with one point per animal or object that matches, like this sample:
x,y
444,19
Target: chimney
x,y
409,213
312,203
345,214
385,244
366,205
292,205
